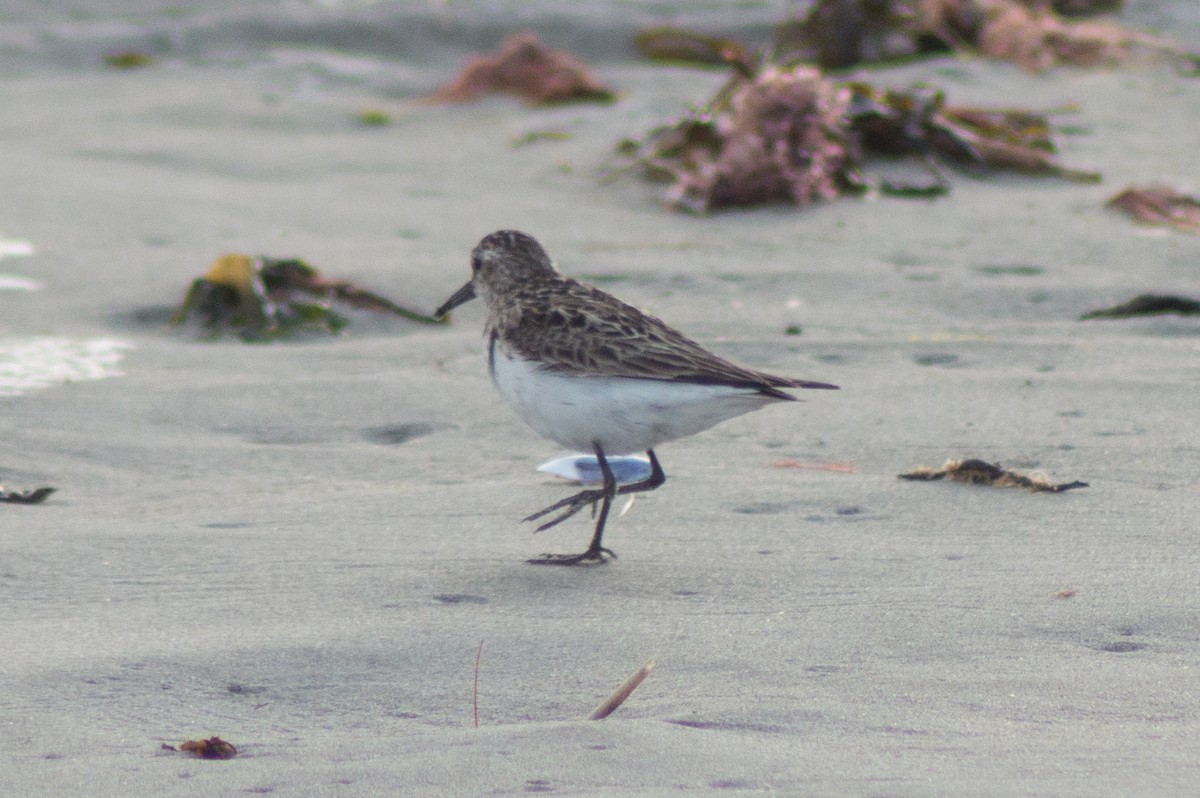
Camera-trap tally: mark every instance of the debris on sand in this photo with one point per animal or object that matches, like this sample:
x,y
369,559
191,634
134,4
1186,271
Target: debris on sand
x,y
212,748
263,298
128,59
1159,205
34,496
837,34
525,67
681,46
374,117
534,136
1030,33
1085,8
1147,305
777,136
1037,39
789,134
979,472
920,123
610,704
844,468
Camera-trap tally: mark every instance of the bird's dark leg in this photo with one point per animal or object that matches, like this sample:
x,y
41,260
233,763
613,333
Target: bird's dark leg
x,y
604,495
595,552
656,479
578,501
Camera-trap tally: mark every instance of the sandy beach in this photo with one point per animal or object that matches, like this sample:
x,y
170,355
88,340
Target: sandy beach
x,y
300,546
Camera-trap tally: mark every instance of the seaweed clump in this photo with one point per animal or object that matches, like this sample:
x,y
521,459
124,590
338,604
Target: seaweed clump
x,y
525,67
1147,305
778,136
1159,205
920,122
1034,34
789,134
1036,38
837,34
681,46
980,472
212,748
260,299
31,496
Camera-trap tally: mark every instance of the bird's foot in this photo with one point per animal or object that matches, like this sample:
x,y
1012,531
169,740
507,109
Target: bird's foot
x,y
596,556
573,504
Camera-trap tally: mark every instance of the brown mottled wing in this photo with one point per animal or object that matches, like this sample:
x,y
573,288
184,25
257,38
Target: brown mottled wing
x,y
569,325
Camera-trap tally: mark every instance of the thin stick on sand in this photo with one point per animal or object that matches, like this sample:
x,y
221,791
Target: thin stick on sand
x,y
475,691
615,700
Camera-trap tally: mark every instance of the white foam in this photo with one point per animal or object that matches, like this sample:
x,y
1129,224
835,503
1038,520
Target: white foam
x,y
11,247
15,282
35,363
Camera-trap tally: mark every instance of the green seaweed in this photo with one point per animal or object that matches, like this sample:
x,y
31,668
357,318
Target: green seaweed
x,y
263,299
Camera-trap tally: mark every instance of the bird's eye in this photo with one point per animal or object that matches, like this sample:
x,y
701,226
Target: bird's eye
x,y
476,263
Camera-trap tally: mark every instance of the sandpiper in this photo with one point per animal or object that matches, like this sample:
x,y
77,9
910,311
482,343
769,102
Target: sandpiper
x,y
592,373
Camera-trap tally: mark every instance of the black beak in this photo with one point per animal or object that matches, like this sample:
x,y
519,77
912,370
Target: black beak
x,y
461,297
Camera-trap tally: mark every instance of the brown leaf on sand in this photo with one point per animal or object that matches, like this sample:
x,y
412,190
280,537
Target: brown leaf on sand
x,y
523,66
979,472
1159,205
212,748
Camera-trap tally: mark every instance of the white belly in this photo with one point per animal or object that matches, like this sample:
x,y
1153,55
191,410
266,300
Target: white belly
x,y
623,415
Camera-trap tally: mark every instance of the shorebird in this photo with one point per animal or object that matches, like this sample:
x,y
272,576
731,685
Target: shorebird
x,y
592,373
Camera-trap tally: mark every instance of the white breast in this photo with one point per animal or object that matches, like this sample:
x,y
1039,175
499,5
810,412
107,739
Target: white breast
x,y
624,415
